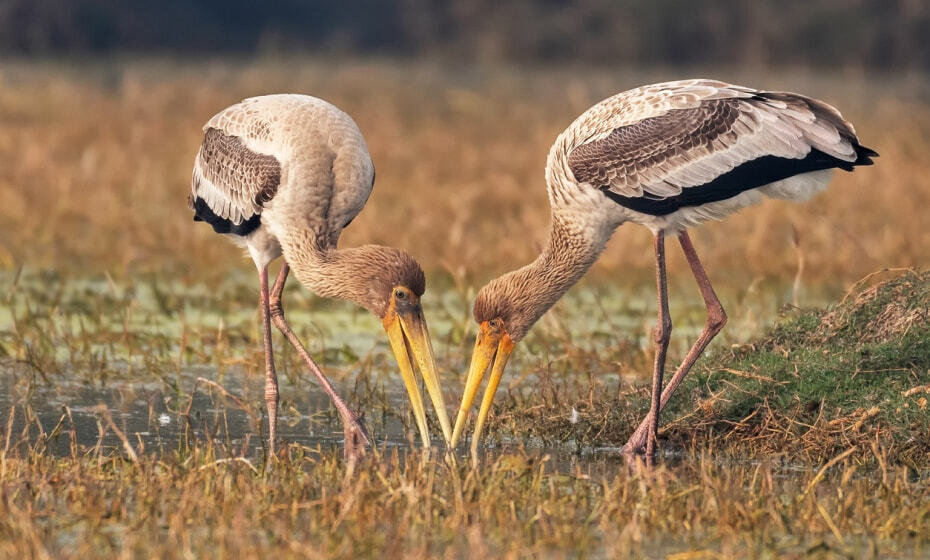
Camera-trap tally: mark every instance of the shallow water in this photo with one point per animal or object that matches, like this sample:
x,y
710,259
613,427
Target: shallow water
x,y
138,349
152,414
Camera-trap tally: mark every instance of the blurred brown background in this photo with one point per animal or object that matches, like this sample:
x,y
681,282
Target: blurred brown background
x,y
101,105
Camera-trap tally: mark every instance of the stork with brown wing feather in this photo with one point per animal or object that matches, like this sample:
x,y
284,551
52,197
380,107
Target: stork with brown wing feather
x,y
667,156
284,174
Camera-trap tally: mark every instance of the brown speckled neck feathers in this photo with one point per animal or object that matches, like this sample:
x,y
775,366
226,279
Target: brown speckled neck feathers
x,y
522,296
365,275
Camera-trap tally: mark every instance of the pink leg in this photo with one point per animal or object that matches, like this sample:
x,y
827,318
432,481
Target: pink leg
x,y
716,319
355,433
660,336
271,378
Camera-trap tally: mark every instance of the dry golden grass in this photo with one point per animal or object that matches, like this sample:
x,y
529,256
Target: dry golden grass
x,y
200,503
96,160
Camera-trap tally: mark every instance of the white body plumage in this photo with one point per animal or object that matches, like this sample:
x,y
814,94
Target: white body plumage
x,y
325,171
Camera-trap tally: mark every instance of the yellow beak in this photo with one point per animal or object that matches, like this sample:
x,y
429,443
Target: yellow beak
x,y
408,334
491,344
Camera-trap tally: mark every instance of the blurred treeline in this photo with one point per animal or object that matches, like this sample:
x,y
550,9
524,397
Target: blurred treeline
x,y
887,34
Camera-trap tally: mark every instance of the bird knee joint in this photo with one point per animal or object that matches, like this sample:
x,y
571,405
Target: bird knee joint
x,y
662,332
716,319
275,309
277,316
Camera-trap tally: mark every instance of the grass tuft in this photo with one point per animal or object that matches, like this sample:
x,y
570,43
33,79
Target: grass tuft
x,y
822,381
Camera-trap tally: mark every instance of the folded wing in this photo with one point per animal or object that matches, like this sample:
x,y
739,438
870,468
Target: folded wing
x,y
712,146
233,178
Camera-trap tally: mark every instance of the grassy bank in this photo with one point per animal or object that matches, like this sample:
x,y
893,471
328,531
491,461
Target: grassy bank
x,y
854,375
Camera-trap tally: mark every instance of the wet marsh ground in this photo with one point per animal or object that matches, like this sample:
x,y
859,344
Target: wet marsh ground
x,y
131,410
810,440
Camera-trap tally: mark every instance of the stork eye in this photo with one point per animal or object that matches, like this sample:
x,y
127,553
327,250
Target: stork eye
x,y
400,294
496,323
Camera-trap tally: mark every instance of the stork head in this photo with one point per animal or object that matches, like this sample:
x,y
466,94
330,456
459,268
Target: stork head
x,y
508,306
505,309
511,302
389,283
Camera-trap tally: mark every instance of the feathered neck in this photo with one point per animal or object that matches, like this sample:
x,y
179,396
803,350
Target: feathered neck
x,y
522,296
365,275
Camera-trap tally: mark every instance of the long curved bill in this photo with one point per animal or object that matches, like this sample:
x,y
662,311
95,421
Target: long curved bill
x,y
492,347
409,338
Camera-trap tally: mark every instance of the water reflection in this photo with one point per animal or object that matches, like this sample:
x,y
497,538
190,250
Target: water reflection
x,y
158,417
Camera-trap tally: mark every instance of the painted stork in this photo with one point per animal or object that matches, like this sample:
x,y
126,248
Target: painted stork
x,y
285,174
667,156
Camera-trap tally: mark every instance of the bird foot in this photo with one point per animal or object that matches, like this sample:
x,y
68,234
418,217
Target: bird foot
x,y
630,449
636,445
356,437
